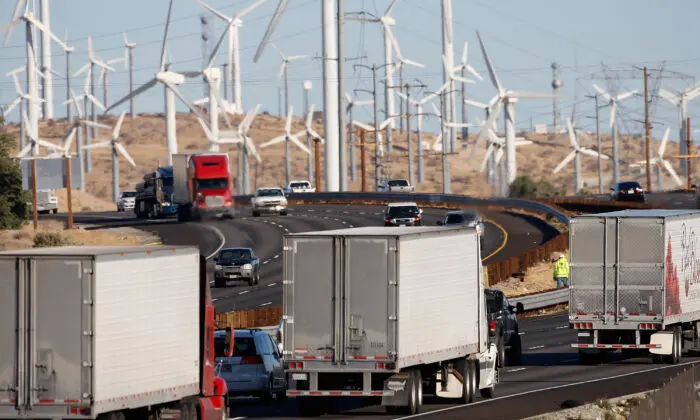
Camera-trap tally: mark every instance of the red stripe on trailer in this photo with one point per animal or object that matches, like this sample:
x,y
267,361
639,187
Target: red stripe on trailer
x,y
293,392
356,392
46,401
616,346
335,392
341,393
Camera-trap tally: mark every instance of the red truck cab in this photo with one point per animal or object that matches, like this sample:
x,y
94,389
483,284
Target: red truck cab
x,y
202,185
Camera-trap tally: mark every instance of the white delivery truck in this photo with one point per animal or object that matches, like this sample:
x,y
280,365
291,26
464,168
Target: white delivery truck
x,y
46,202
635,283
107,333
387,312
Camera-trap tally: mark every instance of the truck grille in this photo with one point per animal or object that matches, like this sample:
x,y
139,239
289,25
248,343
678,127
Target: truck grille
x,y
271,203
214,201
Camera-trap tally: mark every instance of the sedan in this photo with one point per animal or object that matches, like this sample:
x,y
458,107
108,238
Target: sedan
x,y
628,191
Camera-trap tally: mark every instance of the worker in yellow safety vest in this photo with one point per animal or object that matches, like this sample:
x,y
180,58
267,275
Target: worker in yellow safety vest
x,y
561,270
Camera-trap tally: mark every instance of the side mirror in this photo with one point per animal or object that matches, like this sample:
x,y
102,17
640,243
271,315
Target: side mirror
x,y
420,211
519,308
228,350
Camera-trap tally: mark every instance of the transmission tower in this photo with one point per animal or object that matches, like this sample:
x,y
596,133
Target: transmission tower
x,y
557,84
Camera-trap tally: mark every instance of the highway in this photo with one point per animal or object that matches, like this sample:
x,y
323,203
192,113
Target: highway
x,y
550,373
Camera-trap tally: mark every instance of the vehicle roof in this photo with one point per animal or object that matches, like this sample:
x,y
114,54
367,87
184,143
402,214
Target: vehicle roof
x,y
94,251
300,180
237,332
233,248
402,204
268,188
382,231
397,179
644,213
463,212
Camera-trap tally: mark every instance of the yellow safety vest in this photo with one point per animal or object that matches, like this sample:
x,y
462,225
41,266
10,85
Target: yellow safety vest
x,y
561,268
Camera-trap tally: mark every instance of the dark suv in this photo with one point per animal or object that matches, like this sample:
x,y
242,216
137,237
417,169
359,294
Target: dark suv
x,y
236,264
503,327
628,191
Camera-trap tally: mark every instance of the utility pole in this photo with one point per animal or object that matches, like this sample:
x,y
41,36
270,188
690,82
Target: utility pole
x,y
309,168
342,116
465,118
598,142
556,85
446,178
131,79
205,51
647,128
411,158
69,115
401,102
363,161
690,152
225,73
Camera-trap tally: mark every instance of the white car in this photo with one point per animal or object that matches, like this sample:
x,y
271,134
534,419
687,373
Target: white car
x,y
397,185
127,200
300,187
269,200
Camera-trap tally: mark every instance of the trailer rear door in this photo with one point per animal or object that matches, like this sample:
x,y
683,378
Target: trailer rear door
x,y
10,344
310,293
370,300
616,268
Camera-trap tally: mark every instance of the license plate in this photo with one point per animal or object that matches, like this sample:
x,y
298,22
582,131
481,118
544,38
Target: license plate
x,y
630,191
299,376
584,334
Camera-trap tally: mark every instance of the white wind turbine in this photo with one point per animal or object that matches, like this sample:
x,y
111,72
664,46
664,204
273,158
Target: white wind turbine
x,y
575,155
312,135
491,168
507,98
129,62
379,145
234,49
103,77
117,149
463,67
681,100
613,125
658,161
31,23
389,66
351,104
34,141
169,79
452,77
284,73
287,138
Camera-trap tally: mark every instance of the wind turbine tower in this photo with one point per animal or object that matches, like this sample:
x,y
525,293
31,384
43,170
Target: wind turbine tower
x,y
47,83
557,84
205,50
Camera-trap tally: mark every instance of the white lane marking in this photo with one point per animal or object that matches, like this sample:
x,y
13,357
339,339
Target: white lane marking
x,y
515,370
221,237
362,212
271,284
237,418
276,256
519,394
562,327
214,299
521,333
243,292
351,225
535,347
266,261
266,303
329,211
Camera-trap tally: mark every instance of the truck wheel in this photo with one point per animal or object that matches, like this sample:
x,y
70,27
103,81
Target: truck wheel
x,y
415,393
675,357
54,211
219,282
501,361
283,213
468,380
516,350
590,358
256,213
251,281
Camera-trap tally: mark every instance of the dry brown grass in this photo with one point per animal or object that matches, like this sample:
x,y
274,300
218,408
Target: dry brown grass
x,y
83,201
537,279
145,139
12,240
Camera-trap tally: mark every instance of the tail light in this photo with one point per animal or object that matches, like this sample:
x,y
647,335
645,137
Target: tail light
x,y
199,198
296,365
492,326
251,360
416,219
387,220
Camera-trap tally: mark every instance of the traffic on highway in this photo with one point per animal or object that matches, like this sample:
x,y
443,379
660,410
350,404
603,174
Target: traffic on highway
x,y
286,370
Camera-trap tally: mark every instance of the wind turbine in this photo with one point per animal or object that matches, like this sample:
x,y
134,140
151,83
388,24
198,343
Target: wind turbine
x,y
575,155
390,44
491,169
34,141
31,23
379,143
312,135
247,148
681,100
287,138
658,161
234,48
129,57
613,100
284,73
351,104
117,149
462,67
169,79
507,98
103,77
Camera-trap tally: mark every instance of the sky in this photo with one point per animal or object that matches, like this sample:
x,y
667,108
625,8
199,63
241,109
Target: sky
x,y
523,38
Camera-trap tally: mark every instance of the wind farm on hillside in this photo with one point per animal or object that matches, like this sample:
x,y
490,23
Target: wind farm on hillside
x,y
116,143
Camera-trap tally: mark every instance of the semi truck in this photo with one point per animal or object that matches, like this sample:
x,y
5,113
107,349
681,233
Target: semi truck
x,y
635,284
390,313
154,196
97,333
202,186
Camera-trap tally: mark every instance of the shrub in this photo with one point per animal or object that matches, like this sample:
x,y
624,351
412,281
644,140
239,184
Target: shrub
x,y
526,187
14,201
51,239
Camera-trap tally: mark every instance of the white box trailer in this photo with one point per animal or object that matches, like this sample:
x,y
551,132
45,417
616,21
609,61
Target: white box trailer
x,y
90,330
379,311
635,283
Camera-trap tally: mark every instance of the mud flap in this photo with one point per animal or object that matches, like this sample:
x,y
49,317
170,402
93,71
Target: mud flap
x,y
401,386
665,338
487,367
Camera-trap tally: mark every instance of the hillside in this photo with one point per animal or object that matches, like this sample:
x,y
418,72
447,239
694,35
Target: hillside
x,y
144,137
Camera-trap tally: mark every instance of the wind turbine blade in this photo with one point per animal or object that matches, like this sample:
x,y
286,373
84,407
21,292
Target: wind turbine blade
x,y
249,9
473,71
296,57
40,26
103,65
216,12
499,155
300,145
99,145
475,103
605,94
589,152
493,115
118,127
392,39
623,96
248,120
67,141
251,148
310,115
662,147
288,124
489,152
270,29
95,124
96,102
133,94
436,110
215,51
522,142
613,113
184,100
81,70
47,145
672,172
385,123
15,20
362,125
317,136
413,63
530,95
671,97
390,8
572,134
276,140
220,102
565,162
122,150
165,37
25,150
489,65
463,80
207,131
282,67
465,49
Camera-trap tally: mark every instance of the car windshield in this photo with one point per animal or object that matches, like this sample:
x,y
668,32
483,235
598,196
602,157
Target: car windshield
x,y
235,254
127,194
494,303
457,218
628,185
212,184
398,183
403,211
270,193
242,346
299,185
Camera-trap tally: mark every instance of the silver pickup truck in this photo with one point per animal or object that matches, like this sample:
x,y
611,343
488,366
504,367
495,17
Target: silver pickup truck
x,y
397,185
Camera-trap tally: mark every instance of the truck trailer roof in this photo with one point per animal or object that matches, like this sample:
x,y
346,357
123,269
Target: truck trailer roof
x,y
381,231
644,213
92,251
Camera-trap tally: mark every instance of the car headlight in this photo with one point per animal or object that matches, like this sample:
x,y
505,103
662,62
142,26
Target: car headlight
x,y
217,267
247,266
283,202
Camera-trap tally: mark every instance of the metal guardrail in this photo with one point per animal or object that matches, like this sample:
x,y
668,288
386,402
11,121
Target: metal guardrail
x,y
542,300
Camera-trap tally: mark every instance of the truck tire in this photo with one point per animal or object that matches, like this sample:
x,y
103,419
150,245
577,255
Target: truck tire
x,y
219,282
183,214
188,411
501,360
415,395
256,213
676,352
468,381
515,356
54,211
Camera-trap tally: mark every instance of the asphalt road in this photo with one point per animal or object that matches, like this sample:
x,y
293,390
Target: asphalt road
x,y
675,200
550,373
